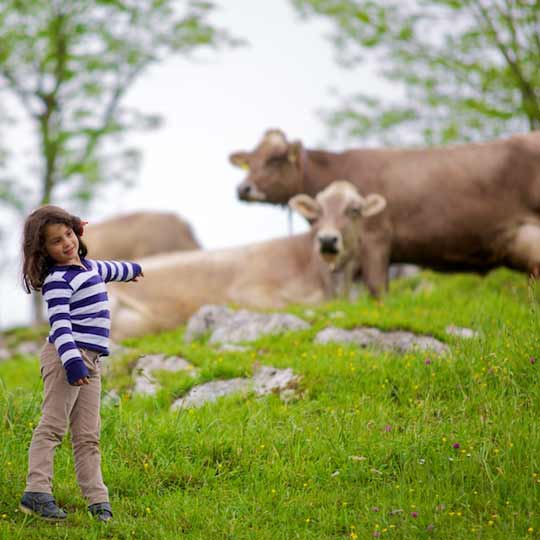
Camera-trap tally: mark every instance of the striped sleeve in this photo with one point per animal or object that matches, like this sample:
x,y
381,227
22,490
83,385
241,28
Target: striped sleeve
x,y
57,293
117,270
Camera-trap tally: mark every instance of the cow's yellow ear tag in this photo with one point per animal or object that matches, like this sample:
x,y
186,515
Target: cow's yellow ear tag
x,y
244,166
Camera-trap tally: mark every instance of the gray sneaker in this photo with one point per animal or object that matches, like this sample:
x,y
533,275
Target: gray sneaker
x,y
101,511
41,505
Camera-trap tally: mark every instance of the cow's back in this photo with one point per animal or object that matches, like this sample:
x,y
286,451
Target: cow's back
x,y
139,234
447,204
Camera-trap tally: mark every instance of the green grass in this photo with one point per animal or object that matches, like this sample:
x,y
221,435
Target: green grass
x,y
368,449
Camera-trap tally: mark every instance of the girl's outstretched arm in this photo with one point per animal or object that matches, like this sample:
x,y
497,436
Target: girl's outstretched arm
x,y
117,270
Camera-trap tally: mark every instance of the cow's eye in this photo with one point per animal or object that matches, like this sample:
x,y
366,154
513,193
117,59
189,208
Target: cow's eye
x,y
354,211
274,161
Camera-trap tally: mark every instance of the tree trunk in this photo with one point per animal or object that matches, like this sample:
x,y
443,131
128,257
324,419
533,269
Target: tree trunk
x,y
50,152
38,312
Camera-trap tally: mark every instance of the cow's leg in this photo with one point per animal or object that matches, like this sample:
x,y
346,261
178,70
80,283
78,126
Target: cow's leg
x,y
524,250
375,264
348,273
126,321
339,282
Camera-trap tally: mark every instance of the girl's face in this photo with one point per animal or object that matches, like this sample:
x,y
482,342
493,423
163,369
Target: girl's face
x,y
62,244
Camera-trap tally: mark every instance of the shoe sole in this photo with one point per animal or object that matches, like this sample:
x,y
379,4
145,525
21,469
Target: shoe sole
x,y
31,512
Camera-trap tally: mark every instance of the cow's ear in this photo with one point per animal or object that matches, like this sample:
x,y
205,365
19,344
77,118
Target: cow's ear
x,y
373,204
239,159
306,206
293,152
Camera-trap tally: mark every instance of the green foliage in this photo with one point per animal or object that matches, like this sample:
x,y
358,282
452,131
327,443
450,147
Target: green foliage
x,y
70,64
461,69
377,444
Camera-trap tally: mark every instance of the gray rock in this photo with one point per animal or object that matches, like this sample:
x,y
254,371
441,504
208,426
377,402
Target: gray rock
x,y
227,326
230,347
267,380
459,331
208,392
154,362
145,383
205,320
248,326
110,399
403,271
5,353
105,364
116,349
399,341
29,348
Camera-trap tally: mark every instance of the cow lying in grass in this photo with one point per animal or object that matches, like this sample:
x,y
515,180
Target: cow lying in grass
x,y
470,207
302,269
136,235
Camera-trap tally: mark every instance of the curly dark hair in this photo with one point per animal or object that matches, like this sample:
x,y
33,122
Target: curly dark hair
x,y
36,261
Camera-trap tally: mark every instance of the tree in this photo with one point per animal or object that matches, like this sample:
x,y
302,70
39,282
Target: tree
x,y
69,64
465,69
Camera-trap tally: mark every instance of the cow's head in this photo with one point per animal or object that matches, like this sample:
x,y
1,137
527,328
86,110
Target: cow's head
x,y
274,172
335,217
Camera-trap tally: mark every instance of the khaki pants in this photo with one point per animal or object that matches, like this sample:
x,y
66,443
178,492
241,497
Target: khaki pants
x,y
78,405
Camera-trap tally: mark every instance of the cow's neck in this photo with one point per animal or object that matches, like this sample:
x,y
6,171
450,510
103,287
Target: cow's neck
x,y
361,166
336,284
320,168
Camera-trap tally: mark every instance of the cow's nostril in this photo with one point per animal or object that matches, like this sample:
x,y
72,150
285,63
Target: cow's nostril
x,y
243,190
328,244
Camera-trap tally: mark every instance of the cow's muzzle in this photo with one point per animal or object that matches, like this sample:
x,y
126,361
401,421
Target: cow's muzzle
x,y
328,245
248,192
330,249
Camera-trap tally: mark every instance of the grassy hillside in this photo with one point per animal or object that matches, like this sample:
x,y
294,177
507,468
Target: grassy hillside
x,y
378,445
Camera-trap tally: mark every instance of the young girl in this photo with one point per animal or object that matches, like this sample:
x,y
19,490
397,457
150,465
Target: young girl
x,y
54,261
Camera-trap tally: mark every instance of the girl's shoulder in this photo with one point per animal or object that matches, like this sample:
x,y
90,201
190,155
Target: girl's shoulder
x,y
56,278
54,273
89,264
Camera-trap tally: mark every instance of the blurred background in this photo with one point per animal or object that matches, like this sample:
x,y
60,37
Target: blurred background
x,y
200,80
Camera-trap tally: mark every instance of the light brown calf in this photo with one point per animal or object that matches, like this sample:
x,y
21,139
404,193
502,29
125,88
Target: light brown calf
x,y
351,232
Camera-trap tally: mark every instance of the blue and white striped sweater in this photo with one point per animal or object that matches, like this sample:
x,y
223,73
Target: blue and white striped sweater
x,y
78,310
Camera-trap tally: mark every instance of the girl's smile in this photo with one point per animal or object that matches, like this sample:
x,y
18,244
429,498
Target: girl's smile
x,y
62,244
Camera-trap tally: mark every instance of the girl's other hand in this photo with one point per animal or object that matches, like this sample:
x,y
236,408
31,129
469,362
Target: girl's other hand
x,y
136,278
82,381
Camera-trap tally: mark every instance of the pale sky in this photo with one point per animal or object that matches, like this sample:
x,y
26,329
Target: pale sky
x,y
211,108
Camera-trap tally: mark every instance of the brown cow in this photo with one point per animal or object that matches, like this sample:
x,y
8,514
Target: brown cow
x,y
266,275
138,234
470,207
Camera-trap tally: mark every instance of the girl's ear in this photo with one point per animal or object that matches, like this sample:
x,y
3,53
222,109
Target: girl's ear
x,y
79,225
